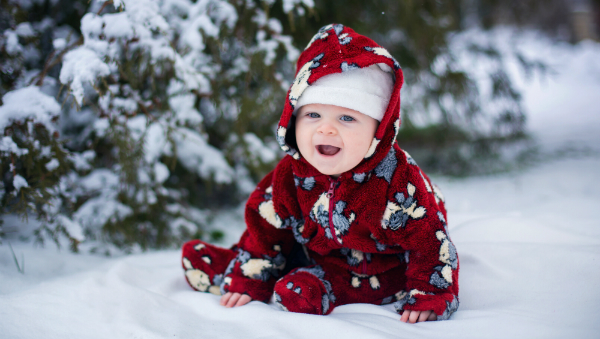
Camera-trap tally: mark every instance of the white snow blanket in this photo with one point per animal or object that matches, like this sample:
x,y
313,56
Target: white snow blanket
x,y
528,242
529,247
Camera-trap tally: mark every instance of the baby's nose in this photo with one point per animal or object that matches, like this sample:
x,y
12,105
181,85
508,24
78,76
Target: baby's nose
x,y
327,128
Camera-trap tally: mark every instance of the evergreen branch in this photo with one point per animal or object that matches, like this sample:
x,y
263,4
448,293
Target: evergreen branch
x,y
48,66
106,3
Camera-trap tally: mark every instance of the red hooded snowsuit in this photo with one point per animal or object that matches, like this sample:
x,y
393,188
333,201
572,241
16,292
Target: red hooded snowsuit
x,y
376,234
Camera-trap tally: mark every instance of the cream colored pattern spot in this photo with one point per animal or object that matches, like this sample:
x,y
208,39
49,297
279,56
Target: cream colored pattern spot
x,y
372,148
254,267
267,211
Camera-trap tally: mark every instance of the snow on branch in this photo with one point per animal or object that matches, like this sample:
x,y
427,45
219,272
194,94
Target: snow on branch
x,y
81,66
28,103
198,156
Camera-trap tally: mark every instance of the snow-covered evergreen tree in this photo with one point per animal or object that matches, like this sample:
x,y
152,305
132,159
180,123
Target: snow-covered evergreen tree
x,y
151,92
128,122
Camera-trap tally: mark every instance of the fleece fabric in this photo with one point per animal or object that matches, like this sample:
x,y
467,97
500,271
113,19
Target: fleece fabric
x,y
376,234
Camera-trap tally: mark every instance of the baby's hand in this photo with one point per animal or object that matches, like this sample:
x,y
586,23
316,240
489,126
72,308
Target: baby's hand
x,y
235,299
418,316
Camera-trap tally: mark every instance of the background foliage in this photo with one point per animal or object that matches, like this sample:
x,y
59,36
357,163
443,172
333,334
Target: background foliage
x,y
129,123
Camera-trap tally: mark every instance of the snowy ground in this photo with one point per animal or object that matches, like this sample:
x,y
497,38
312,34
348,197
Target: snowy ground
x,y
529,247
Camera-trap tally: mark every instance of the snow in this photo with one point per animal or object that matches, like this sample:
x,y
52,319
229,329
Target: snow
x,y
528,241
198,156
19,182
73,228
81,66
52,164
118,26
41,108
81,161
97,211
104,206
12,42
25,30
98,180
161,172
8,145
59,43
269,46
289,5
257,148
528,265
565,112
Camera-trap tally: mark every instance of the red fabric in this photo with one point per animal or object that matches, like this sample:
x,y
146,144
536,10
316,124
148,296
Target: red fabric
x,y
388,218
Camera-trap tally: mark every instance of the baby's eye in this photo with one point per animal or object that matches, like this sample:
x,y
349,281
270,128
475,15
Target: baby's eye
x,y
347,118
313,115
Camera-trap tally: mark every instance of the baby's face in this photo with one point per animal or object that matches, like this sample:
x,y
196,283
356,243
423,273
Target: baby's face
x,y
333,139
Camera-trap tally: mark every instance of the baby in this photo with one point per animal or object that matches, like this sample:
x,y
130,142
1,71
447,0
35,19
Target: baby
x,y
347,216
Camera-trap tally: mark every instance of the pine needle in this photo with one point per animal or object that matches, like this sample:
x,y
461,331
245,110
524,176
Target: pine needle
x,y
19,267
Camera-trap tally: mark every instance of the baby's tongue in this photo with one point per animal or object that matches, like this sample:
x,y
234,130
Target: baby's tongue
x,y
328,149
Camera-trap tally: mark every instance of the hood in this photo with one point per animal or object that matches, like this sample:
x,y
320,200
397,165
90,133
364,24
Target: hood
x,y
334,49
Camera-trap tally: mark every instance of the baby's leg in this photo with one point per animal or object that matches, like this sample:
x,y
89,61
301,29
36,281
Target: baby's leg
x,y
204,265
315,290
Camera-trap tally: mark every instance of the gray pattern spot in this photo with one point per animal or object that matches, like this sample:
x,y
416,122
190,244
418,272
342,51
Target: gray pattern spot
x,y
338,29
451,307
340,222
411,161
309,183
359,177
348,67
443,220
277,298
387,300
399,218
320,217
407,299
437,280
345,40
453,257
316,62
379,246
385,169
218,279
306,183
297,226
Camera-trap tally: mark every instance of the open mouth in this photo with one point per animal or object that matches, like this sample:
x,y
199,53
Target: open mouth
x,y
327,149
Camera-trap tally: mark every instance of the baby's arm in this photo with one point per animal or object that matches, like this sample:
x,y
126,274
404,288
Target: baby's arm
x,y
235,299
417,316
415,221
265,243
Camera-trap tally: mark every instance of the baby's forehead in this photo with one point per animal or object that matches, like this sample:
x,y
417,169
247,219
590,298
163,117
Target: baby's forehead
x,y
333,109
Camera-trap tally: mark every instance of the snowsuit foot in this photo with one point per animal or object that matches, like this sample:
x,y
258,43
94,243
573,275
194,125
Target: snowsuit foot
x,y
314,290
304,290
204,265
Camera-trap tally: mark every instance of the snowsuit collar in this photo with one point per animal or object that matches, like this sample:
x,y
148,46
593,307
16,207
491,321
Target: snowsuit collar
x,y
336,48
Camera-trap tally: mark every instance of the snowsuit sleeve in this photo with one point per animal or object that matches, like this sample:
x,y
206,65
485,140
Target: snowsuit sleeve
x,y
267,240
415,220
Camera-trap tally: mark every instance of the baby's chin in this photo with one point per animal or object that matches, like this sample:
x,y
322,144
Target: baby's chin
x,y
329,161
332,172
